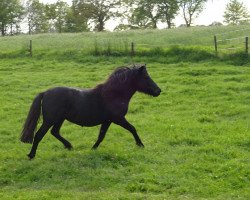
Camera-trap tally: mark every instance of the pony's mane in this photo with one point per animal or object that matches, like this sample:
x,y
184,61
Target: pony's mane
x,y
120,78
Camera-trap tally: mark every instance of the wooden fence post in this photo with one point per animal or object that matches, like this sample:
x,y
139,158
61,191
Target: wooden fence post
x,y
132,49
30,48
246,45
215,44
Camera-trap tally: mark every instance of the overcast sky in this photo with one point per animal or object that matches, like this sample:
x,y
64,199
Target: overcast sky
x,y
214,10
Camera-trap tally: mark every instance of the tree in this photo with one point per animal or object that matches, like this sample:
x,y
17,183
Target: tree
x,y
62,9
10,16
141,13
146,14
100,11
76,19
92,12
168,10
37,18
191,9
57,14
236,13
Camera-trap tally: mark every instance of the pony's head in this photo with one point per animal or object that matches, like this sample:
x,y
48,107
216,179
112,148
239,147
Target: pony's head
x,y
126,78
144,83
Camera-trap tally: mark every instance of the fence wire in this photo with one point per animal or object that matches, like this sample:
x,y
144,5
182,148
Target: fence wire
x,y
230,39
234,31
235,40
120,43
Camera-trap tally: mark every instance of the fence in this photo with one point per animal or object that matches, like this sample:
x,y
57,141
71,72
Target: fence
x,y
150,42
96,50
242,40
132,51
231,44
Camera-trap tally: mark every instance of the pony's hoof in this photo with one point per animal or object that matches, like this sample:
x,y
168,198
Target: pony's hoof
x,y
94,148
69,147
31,156
140,145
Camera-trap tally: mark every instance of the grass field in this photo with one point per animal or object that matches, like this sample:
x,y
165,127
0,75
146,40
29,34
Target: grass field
x,y
196,133
119,43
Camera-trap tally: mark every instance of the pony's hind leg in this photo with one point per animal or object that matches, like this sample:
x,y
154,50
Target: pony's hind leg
x,y
38,137
55,132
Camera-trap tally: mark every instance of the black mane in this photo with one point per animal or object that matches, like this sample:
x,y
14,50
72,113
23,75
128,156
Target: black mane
x,y
120,78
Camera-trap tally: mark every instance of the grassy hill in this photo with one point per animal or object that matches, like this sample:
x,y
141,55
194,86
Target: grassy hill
x,y
196,133
119,43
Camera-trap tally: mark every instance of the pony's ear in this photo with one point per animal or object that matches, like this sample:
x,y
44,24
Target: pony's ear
x,y
142,68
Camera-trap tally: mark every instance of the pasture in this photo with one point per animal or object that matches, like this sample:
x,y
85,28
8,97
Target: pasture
x,y
196,133
149,42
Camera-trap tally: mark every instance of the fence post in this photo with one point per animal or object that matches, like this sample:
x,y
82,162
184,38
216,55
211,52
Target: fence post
x,y
215,44
246,43
30,48
132,49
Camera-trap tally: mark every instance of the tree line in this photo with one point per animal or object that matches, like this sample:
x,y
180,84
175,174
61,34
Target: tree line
x,y
92,15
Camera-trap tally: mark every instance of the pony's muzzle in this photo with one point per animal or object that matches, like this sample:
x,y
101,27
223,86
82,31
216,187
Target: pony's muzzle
x,y
157,92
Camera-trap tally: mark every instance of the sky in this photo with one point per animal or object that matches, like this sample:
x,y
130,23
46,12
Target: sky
x,y
214,10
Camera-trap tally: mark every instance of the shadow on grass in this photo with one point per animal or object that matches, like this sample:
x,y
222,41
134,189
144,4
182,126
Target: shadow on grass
x,y
89,171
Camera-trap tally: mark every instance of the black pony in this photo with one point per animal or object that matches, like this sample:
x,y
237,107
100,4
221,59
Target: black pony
x,y
104,104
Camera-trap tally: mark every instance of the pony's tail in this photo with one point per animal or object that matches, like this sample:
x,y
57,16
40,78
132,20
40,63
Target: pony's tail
x,y
30,124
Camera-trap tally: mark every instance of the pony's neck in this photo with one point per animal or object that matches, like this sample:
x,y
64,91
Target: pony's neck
x,y
128,93
125,93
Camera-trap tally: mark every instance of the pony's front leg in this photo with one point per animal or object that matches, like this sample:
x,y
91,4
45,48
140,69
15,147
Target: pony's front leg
x,y
125,124
102,133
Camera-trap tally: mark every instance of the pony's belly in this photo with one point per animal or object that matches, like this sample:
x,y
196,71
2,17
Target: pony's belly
x,y
88,124
87,121
86,112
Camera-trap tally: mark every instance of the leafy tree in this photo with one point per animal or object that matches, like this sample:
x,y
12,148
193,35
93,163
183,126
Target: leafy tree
x,y
146,14
37,18
191,9
127,22
236,13
76,19
142,13
100,11
168,10
70,22
11,12
50,13
57,14
62,10
92,12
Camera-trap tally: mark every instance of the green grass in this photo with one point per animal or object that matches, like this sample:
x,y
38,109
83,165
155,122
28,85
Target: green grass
x,y
196,133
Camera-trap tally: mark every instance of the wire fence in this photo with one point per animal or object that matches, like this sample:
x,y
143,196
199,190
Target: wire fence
x,y
223,42
233,31
132,43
